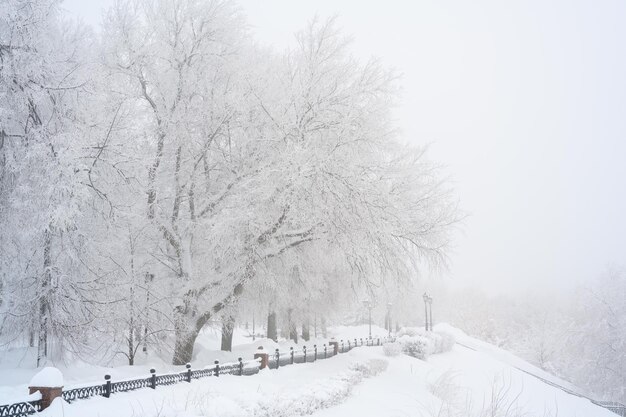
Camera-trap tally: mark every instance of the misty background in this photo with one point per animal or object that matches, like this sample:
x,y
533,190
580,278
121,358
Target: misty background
x,y
522,101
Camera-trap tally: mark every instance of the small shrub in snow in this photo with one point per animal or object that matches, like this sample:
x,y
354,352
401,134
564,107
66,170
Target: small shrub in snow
x,y
372,368
416,346
421,344
435,342
392,349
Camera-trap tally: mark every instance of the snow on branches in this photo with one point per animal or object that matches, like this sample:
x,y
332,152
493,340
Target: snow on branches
x,y
209,169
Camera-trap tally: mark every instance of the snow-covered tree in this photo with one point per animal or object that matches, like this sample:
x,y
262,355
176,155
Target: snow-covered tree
x,y
251,155
42,199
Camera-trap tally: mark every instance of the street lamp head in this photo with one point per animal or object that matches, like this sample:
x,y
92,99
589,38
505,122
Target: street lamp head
x,y
425,297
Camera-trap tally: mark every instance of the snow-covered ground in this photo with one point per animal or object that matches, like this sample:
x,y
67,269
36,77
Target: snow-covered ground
x,y
474,379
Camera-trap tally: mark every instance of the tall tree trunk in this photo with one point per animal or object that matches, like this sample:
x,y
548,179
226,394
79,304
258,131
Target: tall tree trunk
x,y
185,338
44,306
148,279
131,304
131,342
131,328
272,331
186,331
293,330
253,328
189,323
228,324
306,334
183,347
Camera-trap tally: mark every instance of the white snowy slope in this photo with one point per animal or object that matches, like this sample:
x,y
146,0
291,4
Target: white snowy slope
x,y
475,381
463,383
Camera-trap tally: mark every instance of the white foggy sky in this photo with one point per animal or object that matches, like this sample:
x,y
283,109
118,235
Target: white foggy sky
x,y
524,102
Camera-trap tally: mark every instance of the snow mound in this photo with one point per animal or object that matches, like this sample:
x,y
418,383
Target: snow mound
x,y
47,377
56,408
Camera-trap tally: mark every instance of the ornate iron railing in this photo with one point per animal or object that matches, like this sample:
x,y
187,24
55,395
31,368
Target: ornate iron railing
x,y
314,353
129,385
22,409
82,392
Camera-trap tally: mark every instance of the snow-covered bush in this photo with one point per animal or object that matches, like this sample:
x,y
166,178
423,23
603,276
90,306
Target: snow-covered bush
x,y
416,346
392,349
372,368
436,342
421,344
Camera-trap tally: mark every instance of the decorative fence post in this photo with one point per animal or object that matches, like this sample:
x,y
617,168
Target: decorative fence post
x,y
49,382
153,378
107,386
361,341
379,341
304,351
314,353
349,346
217,368
291,354
277,358
356,343
335,345
342,346
240,366
325,352
188,366
264,356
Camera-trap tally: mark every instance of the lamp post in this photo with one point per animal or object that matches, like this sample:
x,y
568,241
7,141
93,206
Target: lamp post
x,y
428,302
368,305
430,305
389,305
428,311
426,297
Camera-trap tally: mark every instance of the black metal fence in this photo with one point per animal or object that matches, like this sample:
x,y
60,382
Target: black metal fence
x,y
22,409
236,368
239,368
314,353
